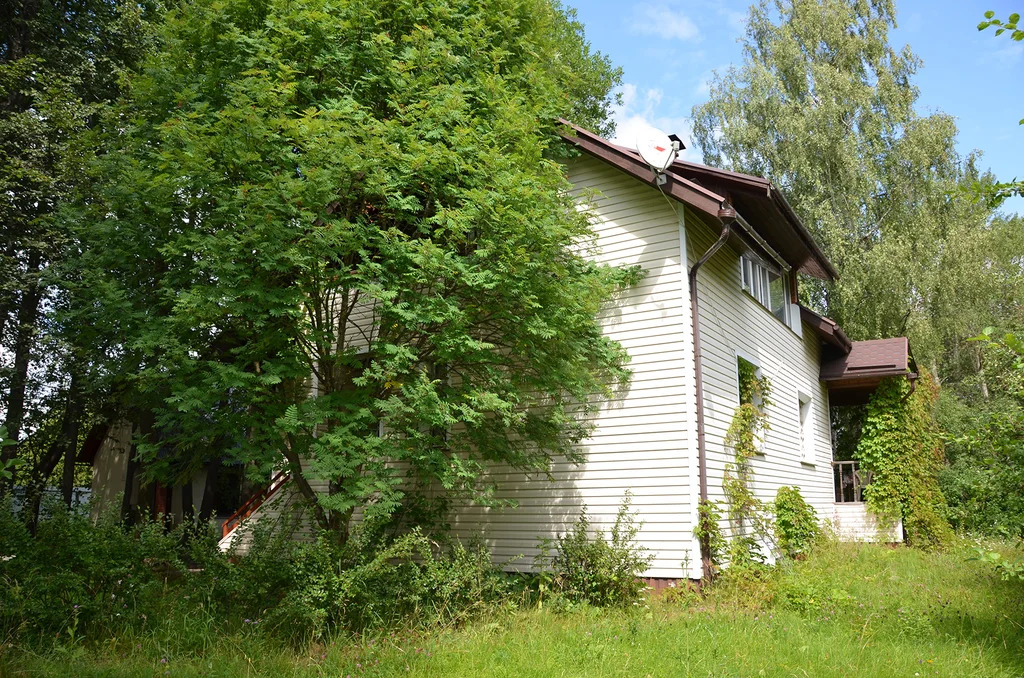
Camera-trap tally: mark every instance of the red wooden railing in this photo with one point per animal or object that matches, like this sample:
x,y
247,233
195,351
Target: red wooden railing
x,y
254,502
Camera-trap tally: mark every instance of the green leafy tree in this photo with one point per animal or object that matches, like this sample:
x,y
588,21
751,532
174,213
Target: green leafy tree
x,y
337,233
823,105
997,193
984,483
60,64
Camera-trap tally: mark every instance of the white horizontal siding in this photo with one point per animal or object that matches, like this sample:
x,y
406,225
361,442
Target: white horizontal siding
x,y
853,522
640,440
731,323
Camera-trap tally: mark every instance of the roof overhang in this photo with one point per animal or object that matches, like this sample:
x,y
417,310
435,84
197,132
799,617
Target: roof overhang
x,y
93,441
630,162
708,189
851,378
827,329
773,217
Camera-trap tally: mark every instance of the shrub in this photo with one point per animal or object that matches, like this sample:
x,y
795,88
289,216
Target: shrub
x,y
598,570
985,445
74,574
375,580
796,523
108,579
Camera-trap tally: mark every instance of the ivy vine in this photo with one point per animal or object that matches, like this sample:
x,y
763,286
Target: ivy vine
x,y
901,445
708,532
747,515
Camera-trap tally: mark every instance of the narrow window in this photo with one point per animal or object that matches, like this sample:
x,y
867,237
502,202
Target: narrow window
x,y
806,429
747,373
751,388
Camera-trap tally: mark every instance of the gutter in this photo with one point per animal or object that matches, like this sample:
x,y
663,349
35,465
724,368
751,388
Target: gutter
x,y
726,215
801,230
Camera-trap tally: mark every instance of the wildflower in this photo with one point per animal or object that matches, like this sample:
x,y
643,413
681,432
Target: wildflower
x,y
6,558
74,607
163,660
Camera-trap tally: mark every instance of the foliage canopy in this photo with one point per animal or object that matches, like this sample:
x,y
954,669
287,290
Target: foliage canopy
x,y
337,231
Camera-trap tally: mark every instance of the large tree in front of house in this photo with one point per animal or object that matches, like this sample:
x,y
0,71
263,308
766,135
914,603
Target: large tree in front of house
x,y
337,233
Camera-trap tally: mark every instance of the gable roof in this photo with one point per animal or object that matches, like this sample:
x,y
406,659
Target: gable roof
x,y
708,189
774,219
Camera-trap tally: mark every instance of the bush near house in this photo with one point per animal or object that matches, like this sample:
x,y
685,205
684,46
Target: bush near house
x,y
796,524
75,579
588,567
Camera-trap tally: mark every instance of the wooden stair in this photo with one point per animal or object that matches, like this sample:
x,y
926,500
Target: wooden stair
x,y
253,503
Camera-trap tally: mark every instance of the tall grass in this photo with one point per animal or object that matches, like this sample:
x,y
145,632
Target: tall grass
x,y
846,610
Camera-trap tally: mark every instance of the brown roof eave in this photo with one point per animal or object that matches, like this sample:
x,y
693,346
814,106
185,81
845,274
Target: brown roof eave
x,y
681,189
798,226
869,374
829,331
755,183
748,183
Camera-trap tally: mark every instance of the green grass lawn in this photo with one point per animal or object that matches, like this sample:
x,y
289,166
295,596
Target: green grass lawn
x,y
846,611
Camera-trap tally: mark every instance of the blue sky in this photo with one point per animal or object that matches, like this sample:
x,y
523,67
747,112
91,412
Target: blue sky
x,y
668,50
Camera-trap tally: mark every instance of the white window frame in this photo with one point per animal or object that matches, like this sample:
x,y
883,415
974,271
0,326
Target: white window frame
x,y
805,416
755,281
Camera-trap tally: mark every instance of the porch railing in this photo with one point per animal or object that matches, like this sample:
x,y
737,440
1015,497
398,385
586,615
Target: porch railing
x,y
849,481
254,502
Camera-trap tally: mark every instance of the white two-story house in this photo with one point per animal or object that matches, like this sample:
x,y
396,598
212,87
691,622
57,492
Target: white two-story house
x,y
722,253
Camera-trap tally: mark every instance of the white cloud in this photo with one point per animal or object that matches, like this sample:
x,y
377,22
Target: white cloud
x,y
664,22
703,87
637,114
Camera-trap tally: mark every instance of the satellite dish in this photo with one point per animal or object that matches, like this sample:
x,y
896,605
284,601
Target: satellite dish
x,y
657,149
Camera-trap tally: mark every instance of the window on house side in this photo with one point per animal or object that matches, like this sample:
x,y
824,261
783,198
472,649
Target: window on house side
x,y
768,287
748,377
806,429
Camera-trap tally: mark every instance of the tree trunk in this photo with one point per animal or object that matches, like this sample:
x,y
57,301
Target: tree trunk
x,y
140,430
208,504
64,445
25,330
68,438
295,465
187,509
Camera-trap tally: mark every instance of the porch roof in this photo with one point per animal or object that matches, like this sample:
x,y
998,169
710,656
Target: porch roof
x,y
853,377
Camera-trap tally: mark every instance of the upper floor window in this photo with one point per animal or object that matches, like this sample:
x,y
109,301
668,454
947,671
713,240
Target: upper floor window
x,y
769,287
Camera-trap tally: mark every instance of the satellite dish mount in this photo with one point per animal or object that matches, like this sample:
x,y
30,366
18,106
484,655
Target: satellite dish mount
x,y
659,151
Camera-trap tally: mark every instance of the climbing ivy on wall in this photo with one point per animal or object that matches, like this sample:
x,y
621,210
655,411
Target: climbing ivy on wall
x,y
900,444
744,437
